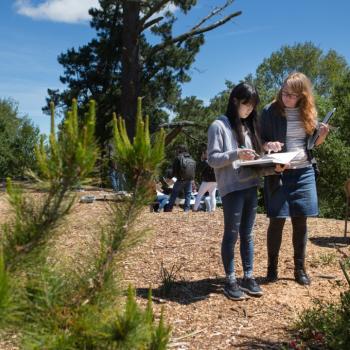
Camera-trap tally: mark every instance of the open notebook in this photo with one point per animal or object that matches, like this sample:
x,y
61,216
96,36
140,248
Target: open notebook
x,y
271,159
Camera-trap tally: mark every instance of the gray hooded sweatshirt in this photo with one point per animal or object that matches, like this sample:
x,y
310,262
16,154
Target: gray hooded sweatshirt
x,y
223,157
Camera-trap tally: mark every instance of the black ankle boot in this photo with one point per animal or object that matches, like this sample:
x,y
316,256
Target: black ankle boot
x,y
300,274
302,278
272,272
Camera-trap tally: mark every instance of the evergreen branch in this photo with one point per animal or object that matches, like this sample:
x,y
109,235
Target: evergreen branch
x,y
9,307
122,227
49,318
140,162
151,23
156,8
62,164
4,286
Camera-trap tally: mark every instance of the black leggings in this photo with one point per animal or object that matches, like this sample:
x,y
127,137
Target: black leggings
x,y
274,236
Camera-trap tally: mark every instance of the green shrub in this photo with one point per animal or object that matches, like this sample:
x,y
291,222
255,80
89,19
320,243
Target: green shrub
x,y
4,289
334,164
18,138
62,310
135,329
10,307
327,325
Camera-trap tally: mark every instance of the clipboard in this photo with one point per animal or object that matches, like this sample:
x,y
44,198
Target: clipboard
x,y
328,116
270,159
326,119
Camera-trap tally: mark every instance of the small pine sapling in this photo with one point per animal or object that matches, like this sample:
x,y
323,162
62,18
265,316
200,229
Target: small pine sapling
x,y
64,162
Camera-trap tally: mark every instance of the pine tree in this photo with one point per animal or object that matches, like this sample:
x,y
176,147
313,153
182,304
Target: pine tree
x,y
122,63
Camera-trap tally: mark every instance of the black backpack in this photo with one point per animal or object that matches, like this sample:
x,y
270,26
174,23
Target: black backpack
x,y
187,167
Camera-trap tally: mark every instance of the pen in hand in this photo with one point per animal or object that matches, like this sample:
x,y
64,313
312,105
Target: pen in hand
x,y
251,151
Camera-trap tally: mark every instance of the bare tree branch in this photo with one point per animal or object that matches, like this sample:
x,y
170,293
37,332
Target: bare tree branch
x,y
190,136
195,32
212,14
172,134
181,123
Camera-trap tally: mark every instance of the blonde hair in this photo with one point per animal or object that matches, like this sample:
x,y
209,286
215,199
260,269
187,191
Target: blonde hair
x,y
300,84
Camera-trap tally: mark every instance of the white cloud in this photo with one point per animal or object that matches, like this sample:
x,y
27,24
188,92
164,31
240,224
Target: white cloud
x,y
69,11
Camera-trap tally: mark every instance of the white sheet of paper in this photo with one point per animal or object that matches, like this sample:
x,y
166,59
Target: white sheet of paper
x,y
272,158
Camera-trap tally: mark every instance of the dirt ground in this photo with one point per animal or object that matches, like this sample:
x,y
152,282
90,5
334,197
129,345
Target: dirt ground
x,y
187,246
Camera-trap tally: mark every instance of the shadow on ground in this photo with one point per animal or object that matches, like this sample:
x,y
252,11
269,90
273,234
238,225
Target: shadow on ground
x,y
255,343
187,292
330,242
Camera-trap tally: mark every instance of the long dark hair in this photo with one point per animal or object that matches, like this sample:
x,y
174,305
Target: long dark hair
x,y
246,94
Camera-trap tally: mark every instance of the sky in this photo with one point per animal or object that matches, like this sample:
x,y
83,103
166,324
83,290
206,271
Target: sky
x,y
35,32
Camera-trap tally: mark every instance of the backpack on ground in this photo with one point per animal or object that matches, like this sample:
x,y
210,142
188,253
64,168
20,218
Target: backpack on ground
x,y
187,169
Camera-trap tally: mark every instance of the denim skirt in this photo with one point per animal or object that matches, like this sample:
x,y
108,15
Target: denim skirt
x,y
294,195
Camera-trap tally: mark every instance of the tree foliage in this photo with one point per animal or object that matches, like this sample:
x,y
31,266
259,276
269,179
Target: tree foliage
x,y
135,328
18,138
61,165
193,109
135,53
329,74
62,309
341,100
333,159
140,161
323,69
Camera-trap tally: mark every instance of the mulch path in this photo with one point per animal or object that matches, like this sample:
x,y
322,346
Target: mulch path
x,y
200,315
187,245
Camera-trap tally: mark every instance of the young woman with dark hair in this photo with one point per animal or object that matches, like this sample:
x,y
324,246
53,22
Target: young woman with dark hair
x,y
288,124
231,138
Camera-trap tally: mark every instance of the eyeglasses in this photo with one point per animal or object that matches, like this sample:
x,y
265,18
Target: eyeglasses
x,y
290,95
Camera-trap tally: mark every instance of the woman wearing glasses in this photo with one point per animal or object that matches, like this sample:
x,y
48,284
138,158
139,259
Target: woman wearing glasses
x,y
287,124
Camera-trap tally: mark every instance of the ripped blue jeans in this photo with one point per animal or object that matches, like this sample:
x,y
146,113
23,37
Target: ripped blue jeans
x,y
239,216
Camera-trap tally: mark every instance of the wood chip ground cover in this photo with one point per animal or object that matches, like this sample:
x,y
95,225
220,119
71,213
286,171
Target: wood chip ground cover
x,y
187,246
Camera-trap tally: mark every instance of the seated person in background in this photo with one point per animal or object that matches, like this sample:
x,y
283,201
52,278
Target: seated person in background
x,y
208,184
161,198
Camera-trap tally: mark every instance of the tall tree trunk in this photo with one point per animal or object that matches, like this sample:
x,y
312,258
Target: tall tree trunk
x,y
130,79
